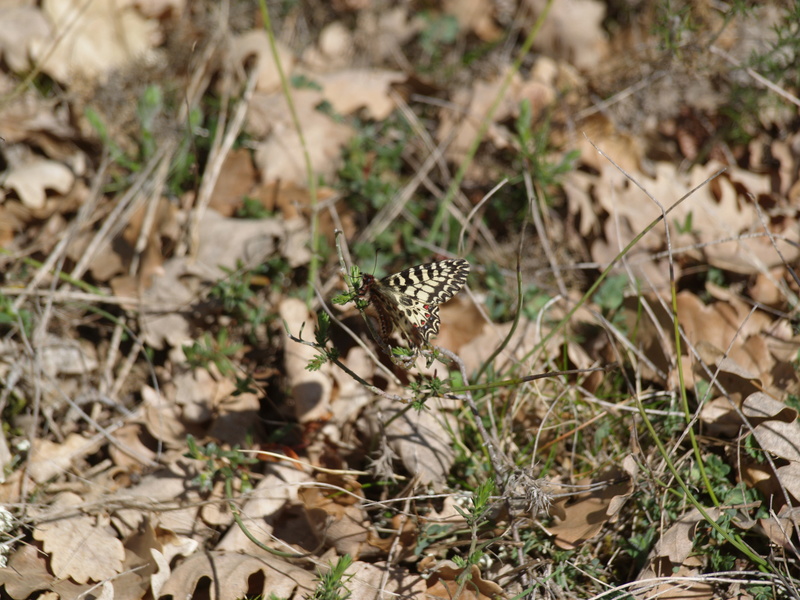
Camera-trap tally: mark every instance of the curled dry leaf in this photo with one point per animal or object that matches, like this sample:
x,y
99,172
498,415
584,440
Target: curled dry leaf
x,y
788,478
781,528
281,154
373,87
27,573
674,555
720,418
230,574
338,519
581,517
265,509
32,179
162,418
394,581
80,547
24,27
311,390
445,574
475,15
779,431
255,43
49,459
422,440
90,40
165,498
580,41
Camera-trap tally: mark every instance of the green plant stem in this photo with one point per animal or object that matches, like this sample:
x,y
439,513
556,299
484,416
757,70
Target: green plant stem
x,y
734,540
517,315
313,268
86,287
519,380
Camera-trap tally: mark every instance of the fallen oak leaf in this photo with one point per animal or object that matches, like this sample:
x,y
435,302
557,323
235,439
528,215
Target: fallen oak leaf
x,y
31,180
80,547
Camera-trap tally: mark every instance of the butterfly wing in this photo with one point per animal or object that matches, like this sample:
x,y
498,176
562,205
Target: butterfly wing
x,y
409,300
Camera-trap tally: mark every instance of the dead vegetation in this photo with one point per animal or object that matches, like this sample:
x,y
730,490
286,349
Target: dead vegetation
x,y
189,412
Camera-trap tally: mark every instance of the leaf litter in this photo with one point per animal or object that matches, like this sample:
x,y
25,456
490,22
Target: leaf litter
x,y
97,410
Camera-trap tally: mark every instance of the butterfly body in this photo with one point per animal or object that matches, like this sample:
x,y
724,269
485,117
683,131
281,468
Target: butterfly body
x,y
409,301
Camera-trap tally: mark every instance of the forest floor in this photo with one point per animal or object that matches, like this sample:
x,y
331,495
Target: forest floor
x,y
202,398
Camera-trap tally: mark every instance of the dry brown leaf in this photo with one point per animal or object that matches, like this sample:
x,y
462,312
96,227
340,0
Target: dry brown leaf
x,y
579,41
766,288
677,543
27,573
66,357
49,459
230,574
237,178
338,520
198,393
236,418
334,49
143,552
782,528
163,325
281,154
473,103
526,336
9,225
130,436
349,396
163,418
580,518
264,509
780,432
625,149
720,418
421,439
89,40
255,43
23,28
789,479
387,30
461,322
476,16
311,390
371,87
156,500
577,188
80,547
715,330
446,573
674,556
160,8
107,261
394,580
32,179
224,243
680,584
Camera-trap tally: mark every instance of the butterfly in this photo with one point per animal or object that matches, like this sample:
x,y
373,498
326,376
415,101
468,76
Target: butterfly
x,y
409,301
